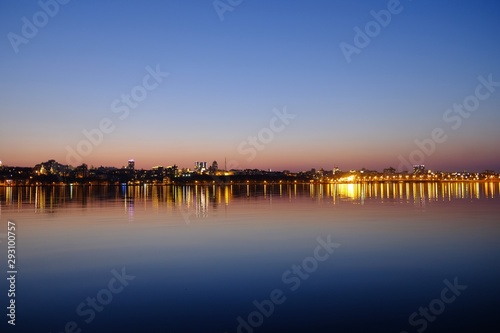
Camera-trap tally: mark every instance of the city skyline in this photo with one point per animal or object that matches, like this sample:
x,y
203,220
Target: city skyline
x,y
205,167
265,85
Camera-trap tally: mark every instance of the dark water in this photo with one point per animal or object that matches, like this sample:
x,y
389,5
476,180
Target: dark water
x,y
314,258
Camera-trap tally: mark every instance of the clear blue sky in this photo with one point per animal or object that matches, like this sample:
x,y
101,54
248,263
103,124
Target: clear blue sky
x,y
226,77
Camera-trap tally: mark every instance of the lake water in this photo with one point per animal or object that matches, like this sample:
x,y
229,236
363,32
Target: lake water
x,y
255,258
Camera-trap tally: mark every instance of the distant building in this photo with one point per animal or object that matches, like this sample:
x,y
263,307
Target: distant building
x,y
82,171
213,168
200,166
418,169
129,171
172,171
157,173
131,165
51,167
389,171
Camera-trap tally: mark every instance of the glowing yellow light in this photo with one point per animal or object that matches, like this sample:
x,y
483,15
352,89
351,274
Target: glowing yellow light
x,y
350,178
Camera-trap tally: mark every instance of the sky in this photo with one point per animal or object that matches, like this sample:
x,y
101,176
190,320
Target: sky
x,y
263,84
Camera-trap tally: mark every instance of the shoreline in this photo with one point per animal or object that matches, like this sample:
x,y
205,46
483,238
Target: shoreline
x,y
261,183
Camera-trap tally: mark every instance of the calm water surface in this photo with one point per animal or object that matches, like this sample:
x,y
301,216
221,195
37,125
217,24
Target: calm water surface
x,y
200,256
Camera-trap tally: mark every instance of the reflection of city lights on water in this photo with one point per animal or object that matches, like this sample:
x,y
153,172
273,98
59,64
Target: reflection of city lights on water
x,y
198,200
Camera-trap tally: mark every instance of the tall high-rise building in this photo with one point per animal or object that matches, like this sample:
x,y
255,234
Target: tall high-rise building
x,y
131,165
418,169
200,166
213,168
